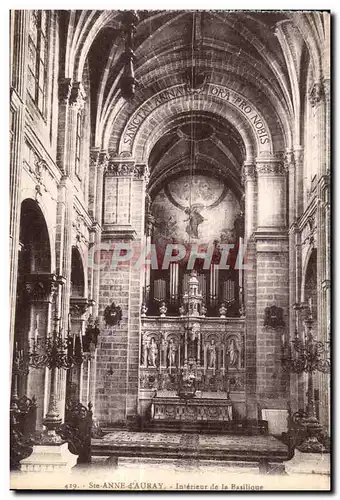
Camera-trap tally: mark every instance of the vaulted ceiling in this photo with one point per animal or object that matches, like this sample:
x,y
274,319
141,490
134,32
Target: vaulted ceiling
x,y
238,49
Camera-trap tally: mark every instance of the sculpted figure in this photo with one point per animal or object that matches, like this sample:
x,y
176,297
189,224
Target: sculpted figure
x,y
172,353
212,354
153,352
233,353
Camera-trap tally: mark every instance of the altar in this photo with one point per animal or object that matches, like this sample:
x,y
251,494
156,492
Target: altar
x,y
198,409
192,352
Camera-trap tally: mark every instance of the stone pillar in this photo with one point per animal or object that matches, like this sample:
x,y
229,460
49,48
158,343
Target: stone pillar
x,y
99,161
40,291
320,101
19,29
272,273
250,185
123,223
250,198
293,291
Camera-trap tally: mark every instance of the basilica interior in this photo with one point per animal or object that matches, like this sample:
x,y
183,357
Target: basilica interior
x,y
170,219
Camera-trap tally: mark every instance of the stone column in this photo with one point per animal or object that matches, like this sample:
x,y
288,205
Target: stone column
x,y
40,291
250,199
250,185
293,291
19,29
99,162
320,101
272,273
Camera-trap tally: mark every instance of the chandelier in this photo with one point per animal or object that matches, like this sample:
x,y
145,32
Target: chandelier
x,y
128,81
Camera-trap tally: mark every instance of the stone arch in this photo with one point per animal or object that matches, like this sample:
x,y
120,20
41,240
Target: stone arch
x,y
78,287
227,104
34,295
35,235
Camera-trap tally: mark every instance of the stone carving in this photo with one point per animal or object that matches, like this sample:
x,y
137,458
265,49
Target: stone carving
x,y
249,171
273,317
223,311
316,94
77,96
233,353
152,353
127,170
163,309
274,168
211,349
113,315
41,287
172,353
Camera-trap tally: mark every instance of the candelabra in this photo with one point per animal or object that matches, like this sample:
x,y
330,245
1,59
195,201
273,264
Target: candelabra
x,y
309,356
54,352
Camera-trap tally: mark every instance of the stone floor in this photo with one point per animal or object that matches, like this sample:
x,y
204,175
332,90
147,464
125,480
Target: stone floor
x,y
133,471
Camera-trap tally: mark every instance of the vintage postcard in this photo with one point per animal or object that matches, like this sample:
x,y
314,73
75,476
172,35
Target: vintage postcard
x,y
170,250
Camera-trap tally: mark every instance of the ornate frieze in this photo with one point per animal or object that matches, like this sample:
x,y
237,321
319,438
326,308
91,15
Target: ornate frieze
x,y
271,168
127,169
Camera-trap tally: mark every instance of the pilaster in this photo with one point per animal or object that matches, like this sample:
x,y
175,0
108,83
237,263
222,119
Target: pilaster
x,y
20,20
121,283
272,279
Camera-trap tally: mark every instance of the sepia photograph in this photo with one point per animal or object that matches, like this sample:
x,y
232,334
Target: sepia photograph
x,y
170,250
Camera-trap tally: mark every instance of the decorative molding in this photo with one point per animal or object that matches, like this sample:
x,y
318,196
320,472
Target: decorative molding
x,y
127,169
271,168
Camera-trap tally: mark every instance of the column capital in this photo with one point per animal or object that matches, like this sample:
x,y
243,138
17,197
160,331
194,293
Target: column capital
x,y
79,306
127,168
40,287
77,96
316,93
103,159
270,166
65,87
249,171
94,156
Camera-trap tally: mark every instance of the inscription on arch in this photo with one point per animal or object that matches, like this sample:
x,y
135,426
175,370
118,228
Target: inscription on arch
x,y
245,107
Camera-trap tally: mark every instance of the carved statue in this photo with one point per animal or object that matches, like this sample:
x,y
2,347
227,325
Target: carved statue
x,y
233,353
211,354
172,351
153,353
